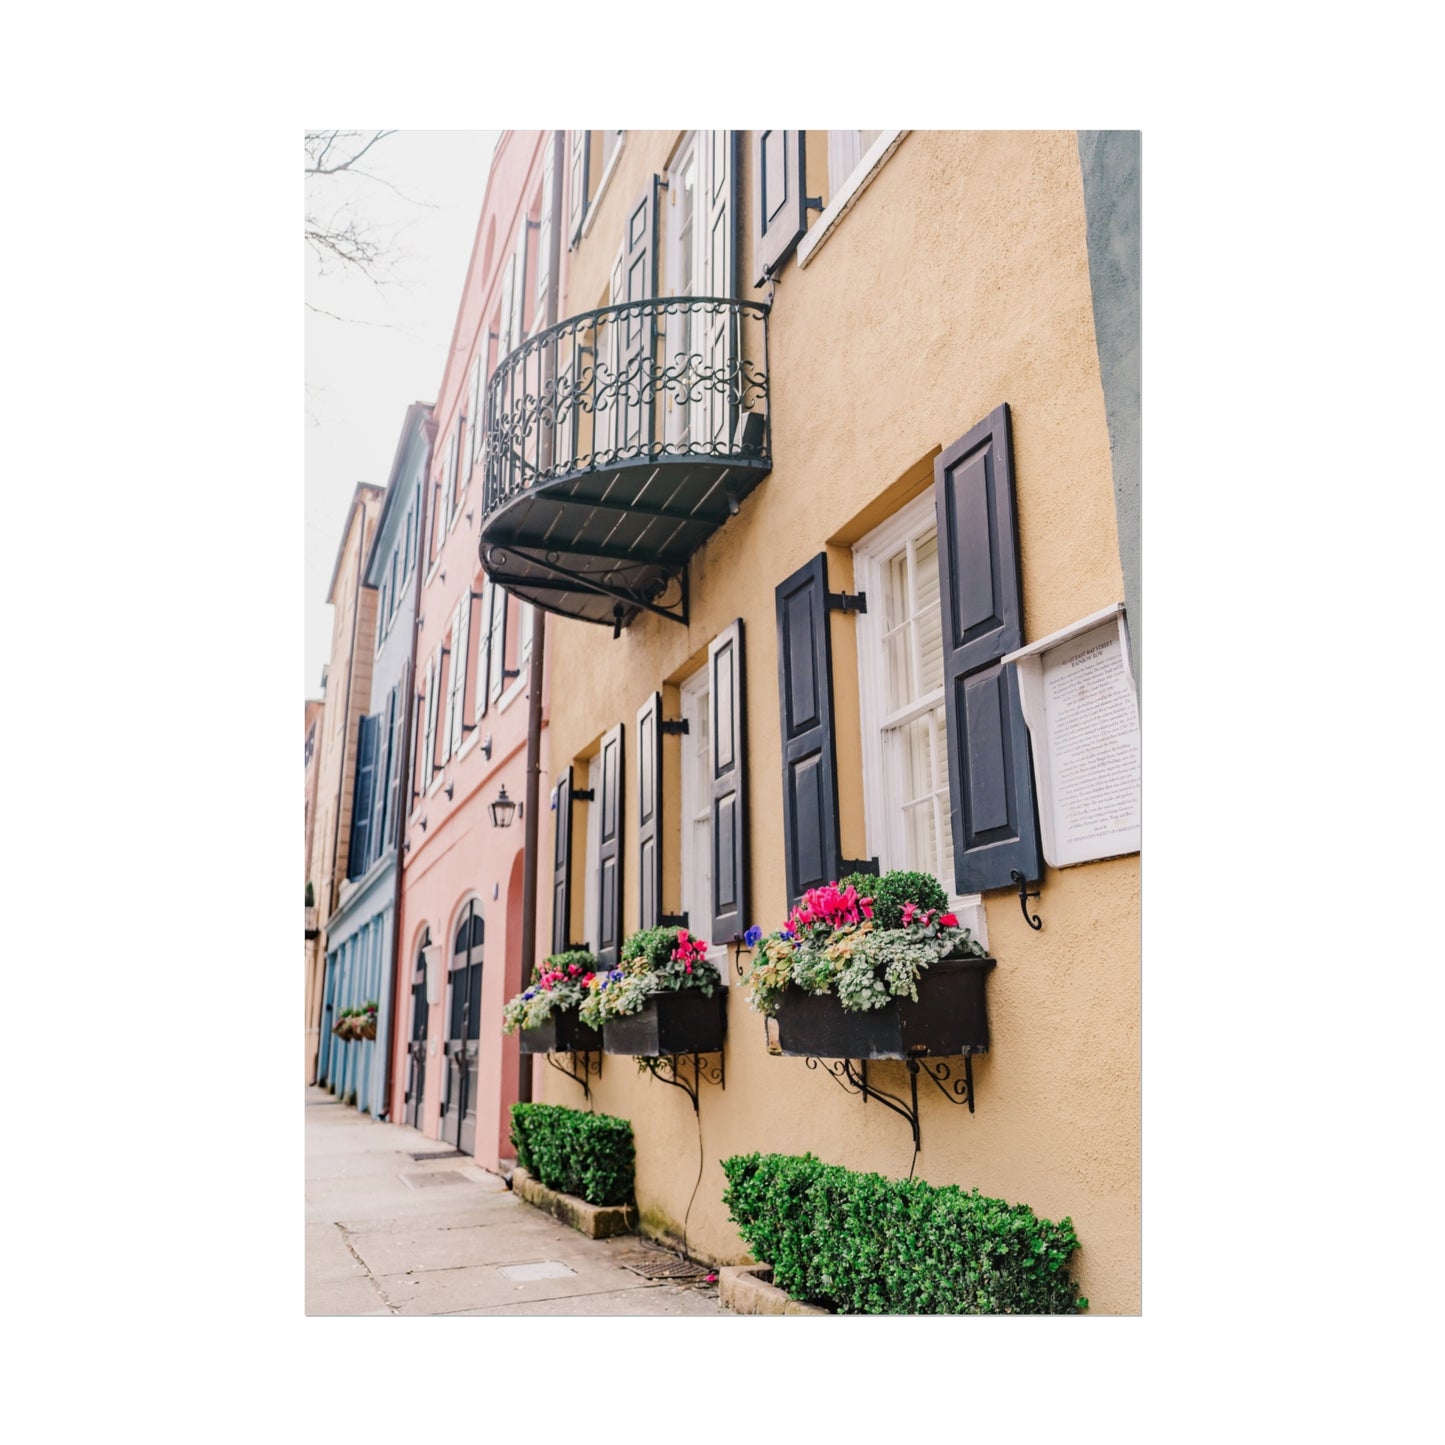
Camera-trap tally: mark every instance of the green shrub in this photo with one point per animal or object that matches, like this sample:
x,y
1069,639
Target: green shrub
x,y
863,1244
890,892
589,1155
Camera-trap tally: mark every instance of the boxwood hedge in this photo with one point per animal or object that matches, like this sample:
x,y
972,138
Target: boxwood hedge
x,y
863,1244
589,1155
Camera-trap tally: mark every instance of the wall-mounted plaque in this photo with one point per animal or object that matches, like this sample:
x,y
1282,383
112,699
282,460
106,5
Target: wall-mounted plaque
x,y
1082,711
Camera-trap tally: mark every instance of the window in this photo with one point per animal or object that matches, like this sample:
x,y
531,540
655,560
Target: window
x,y
901,695
696,813
592,889
474,418
846,149
497,644
461,627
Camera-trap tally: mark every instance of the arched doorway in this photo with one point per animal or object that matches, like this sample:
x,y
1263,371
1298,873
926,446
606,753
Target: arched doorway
x,y
416,1048
464,1026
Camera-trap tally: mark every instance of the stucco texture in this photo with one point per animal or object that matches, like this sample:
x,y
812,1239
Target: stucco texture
x,y
958,280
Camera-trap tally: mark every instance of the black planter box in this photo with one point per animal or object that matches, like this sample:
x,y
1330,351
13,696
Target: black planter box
x,y
563,1033
949,1019
671,1023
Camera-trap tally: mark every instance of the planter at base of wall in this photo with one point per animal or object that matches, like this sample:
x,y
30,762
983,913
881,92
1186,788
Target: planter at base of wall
x,y
670,1023
949,1019
563,1033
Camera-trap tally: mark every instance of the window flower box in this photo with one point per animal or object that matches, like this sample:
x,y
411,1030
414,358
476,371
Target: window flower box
x,y
686,1022
562,1033
949,1019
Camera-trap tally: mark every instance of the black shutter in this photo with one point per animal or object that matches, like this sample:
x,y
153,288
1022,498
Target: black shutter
x,y
649,812
810,768
995,827
561,865
634,278
780,210
609,851
358,860
729,785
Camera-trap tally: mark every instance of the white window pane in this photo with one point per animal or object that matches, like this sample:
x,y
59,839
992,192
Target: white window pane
x,y
920,835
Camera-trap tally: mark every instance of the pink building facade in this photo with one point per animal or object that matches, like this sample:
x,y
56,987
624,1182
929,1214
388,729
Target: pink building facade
x,y
455,1074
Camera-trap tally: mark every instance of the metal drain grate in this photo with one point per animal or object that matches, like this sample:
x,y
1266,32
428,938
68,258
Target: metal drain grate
x,y
662,1266
439,1154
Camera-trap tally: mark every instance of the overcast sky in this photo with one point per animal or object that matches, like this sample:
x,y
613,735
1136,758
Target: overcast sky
x,y
422,194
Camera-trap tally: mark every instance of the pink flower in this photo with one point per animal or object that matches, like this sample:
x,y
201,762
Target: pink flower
x,y
909,909
949,921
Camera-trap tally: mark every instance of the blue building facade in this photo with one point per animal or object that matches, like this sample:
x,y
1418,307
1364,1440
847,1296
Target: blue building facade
x,y
361,932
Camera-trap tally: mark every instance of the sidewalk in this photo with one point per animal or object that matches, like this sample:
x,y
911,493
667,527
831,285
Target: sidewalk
x,y
388,1234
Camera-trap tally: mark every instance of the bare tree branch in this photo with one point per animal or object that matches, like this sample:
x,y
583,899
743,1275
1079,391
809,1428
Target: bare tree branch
x,y
320,143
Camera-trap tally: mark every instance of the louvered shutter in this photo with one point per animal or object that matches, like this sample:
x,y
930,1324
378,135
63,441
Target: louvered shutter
x,y
461,642
429,749
805,691
578,164
780,211
634,278
721,337
649,812
728,764
390,778
359,858
544,235
484,651
474,416
609,851
995,826
509,296
497,643
562,863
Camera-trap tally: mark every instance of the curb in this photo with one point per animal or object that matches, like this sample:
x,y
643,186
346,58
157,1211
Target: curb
x,y
748,1289
596,1221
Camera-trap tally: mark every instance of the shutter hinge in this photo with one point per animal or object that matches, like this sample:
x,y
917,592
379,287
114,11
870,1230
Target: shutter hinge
x,y
813,203
857,865
673,725
672,920
847,602
584,795
511,672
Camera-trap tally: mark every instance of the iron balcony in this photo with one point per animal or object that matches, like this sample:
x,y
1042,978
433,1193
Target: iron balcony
x,y
616,444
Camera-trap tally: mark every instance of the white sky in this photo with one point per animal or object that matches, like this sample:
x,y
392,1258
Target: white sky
x,y
364,371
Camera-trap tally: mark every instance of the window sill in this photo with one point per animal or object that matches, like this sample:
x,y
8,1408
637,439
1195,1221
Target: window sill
x,y
843,201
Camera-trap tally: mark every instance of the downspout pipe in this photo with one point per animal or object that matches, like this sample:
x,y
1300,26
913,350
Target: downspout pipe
x,y
403,785
539,650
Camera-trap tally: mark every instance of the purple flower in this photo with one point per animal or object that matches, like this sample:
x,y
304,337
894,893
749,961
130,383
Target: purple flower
x,y
751,937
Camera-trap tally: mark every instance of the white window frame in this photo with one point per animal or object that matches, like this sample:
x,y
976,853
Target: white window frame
x,y
844,196
607,171
870,556
691,802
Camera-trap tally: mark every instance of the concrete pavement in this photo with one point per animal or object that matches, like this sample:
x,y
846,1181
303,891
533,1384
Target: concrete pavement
x,y
388,1234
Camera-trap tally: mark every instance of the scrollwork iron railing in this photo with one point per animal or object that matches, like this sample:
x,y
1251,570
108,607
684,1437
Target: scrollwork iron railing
x,y
669,379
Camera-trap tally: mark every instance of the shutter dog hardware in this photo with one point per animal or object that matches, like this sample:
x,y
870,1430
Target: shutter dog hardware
x,y
673,726
1033,920
846,602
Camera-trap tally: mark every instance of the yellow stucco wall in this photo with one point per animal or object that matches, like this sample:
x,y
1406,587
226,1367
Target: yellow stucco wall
x,y
959,280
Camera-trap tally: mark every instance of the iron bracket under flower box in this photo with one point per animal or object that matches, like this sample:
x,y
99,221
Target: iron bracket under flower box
x,y
949,1019
687,1022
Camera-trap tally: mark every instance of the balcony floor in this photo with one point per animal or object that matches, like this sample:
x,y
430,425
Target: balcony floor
x,y
627,529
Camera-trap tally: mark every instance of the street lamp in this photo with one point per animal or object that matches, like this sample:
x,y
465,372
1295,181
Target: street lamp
x,y
503,810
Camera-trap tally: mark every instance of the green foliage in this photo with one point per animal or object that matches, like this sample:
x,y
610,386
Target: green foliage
x,y
591,1156
559,983
654,960
890,892
863,1244
866,955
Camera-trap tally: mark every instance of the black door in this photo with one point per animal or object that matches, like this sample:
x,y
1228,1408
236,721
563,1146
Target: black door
x,y
416,1050
464,1019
